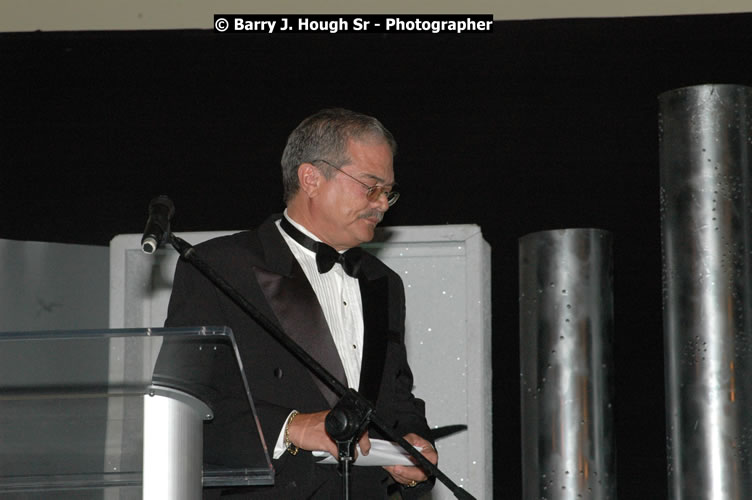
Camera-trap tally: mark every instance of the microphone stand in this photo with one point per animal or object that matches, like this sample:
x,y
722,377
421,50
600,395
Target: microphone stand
x,y
346,422
351,415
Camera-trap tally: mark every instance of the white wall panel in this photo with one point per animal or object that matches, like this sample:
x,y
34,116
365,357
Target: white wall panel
x,y
52,286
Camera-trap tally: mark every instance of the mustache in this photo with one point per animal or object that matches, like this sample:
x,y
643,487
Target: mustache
x,y
372,214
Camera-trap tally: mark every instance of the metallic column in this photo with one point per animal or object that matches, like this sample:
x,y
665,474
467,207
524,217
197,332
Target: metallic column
x,y
566,323
705,146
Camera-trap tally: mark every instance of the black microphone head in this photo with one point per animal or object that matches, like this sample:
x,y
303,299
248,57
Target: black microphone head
x,y
157,230
162,202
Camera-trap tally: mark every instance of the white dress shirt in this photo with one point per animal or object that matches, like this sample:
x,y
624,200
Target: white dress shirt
x,y
339,296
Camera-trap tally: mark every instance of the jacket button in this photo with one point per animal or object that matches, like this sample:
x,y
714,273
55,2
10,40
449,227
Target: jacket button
x,y
278,372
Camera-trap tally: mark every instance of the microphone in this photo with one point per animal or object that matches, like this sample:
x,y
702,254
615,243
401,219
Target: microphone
x,y
157,227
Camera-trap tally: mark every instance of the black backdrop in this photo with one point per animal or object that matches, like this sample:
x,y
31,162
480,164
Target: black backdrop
x,y
540,125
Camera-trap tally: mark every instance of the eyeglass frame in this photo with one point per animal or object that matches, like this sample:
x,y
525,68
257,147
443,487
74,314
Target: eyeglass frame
x,y
391,196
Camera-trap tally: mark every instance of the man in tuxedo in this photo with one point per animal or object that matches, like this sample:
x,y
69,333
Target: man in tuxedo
x,y
304,270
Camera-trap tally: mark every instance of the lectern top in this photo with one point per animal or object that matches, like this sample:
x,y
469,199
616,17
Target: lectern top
x,y
72,405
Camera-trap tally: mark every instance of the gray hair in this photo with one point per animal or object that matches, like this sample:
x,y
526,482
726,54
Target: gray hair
x,y
324,136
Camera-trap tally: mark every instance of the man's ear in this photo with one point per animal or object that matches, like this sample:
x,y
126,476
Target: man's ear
x,y
309,178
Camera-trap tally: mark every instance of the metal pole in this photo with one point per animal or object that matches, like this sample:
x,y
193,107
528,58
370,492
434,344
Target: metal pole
x,y
705,146
566,323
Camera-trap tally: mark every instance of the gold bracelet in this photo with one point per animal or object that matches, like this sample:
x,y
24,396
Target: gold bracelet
x,y
291,448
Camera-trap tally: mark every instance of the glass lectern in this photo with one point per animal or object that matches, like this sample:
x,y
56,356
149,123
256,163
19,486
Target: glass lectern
x,y
127,413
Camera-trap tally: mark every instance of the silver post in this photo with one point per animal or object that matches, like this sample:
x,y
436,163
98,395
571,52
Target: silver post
x,y
566,323
705,148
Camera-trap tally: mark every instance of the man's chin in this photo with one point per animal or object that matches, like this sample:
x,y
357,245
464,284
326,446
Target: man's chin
x,y
368,232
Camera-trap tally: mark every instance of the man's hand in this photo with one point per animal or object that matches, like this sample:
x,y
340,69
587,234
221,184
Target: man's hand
x,y
411,475
308,432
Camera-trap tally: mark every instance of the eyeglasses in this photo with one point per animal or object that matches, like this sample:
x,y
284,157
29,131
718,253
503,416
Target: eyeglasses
x,y
372,192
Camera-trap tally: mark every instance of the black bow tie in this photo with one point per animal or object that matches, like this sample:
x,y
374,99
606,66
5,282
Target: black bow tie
x,y
326,256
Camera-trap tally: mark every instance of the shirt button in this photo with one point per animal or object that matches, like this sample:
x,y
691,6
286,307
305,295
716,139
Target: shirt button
x,y
344,302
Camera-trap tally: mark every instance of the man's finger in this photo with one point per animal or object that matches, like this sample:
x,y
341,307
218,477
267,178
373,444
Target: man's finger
x,y
365,444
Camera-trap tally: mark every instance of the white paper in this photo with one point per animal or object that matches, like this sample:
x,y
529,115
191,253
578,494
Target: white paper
x,y
382,453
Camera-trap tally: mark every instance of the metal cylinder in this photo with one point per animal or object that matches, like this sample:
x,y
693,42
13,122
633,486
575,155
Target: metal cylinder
x,y
705,144
566,326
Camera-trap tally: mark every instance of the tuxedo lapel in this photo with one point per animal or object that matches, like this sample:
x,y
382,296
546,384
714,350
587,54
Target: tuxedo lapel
x,y
294,303
375,297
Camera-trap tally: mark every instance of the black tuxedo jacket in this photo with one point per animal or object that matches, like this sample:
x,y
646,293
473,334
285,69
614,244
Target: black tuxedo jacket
x,y
260,266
